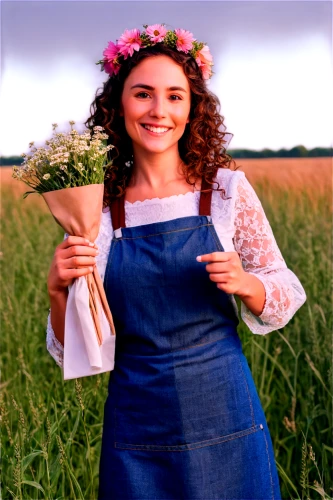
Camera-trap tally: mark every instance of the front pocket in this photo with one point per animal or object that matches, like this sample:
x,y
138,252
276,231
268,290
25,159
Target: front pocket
x,y
199,395
190,446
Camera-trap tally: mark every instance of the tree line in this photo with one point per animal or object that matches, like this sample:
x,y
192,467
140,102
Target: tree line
x,y
295,152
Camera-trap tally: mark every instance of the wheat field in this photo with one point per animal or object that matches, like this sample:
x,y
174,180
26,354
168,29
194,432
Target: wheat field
x,y
51,429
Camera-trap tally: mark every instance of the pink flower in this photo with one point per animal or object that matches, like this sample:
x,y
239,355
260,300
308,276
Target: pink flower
x,y
111,64
185,39
204,56
112,68
156,32
204,60
111,52
129,42
206,71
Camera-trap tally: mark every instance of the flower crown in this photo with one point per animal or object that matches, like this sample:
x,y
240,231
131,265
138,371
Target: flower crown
x,y
178,39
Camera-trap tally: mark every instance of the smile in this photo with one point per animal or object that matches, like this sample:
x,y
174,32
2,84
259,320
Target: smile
x,y
155,130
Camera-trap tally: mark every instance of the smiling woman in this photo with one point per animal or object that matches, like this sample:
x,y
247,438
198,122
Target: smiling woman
x,y
183,418
172,95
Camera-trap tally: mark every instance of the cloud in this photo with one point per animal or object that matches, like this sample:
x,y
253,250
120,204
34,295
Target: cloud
x,y
277,98
32,101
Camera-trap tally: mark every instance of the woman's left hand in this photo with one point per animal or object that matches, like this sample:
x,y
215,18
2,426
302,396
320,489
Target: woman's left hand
x,y
225,268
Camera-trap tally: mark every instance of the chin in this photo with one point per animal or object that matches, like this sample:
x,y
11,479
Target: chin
x,y
158,149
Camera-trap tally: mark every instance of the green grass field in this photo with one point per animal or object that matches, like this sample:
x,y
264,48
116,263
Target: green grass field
x,y
51,429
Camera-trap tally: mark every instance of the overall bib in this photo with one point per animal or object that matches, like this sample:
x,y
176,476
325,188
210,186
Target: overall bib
x,y
182,419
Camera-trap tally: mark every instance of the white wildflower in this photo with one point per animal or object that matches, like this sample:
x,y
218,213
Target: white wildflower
x,y
64,152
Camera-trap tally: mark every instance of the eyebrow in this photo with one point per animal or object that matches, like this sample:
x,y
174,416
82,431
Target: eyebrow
x,y
149,87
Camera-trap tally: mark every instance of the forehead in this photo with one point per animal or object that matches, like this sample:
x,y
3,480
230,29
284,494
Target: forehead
x,y
157,71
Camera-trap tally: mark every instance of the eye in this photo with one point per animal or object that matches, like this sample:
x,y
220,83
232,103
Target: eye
x,y
177,97
142,94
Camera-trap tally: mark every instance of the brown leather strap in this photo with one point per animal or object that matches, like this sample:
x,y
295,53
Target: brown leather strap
x,y
205,199
117,206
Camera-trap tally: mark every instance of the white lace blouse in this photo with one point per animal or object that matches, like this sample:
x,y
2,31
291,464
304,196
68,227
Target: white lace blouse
x,y
241,225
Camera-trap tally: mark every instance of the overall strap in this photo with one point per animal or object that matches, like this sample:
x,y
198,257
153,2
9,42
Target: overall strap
x,y
117,209
205,198
117,206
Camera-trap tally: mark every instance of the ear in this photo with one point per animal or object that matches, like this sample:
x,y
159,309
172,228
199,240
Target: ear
x,y
121,110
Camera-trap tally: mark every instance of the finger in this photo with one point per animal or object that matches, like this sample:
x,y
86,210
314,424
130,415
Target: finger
x,y
214,257
218,267
76,240
78,262
78,250
225,287
70,274
220,277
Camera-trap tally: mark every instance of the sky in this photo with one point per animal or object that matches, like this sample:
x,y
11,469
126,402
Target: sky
x,y
272,63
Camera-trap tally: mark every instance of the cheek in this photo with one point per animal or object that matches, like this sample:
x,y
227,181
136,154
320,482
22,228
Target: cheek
x,y
134,112
182,114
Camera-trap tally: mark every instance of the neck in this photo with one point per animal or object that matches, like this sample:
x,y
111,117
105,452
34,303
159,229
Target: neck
x,y
154,171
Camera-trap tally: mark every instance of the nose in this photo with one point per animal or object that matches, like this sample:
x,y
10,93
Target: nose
x,y
158,108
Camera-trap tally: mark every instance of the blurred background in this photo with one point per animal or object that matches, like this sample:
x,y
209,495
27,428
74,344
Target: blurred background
x,y
273,76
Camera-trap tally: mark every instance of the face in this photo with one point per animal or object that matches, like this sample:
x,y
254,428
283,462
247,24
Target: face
x,y
156,105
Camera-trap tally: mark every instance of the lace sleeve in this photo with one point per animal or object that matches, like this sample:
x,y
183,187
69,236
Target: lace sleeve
x,y
53,345
255,244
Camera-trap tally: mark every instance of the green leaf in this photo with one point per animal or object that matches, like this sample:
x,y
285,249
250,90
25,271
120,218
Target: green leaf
x,y
28,192
29,458
286,479
35,485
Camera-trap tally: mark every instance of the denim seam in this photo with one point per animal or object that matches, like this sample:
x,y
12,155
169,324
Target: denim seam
x,y
190,446
217,241
178,399
269,464
248,392
164,232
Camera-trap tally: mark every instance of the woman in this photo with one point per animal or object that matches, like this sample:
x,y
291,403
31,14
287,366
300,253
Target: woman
x,y
183,418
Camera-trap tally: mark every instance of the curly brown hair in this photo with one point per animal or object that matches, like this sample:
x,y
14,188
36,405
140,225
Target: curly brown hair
x,y
201,146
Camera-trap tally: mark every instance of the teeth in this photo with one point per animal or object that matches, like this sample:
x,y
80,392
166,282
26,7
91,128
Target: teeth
x,y
157,130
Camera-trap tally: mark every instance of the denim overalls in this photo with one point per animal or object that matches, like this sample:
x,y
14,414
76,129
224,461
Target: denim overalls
x,y
182,419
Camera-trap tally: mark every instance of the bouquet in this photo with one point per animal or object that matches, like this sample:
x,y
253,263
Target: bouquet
x,y
69,174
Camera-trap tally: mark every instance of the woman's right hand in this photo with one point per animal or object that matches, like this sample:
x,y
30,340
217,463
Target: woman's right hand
x,y
73,257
